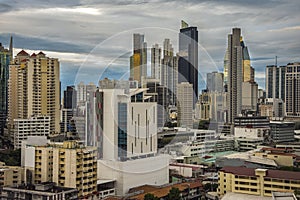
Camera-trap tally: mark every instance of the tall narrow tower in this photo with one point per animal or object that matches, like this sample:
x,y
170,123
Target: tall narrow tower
x,y
138,61
188,57
155,61
235,74
5,55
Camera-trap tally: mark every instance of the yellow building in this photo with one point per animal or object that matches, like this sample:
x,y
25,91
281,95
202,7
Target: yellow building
x,y
283,157
34,88
261,182
68,165
11,175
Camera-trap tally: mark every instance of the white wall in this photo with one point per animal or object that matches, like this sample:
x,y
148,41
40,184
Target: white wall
x,y
129,174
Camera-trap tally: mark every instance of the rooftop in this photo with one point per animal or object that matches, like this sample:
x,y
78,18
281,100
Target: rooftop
x,y
22,53
161,191
279,174
234,196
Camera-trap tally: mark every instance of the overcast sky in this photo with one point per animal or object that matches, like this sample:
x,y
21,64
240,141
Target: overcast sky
x,y
93,39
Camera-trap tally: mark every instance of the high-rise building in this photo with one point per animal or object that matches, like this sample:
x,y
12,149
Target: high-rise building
x,y
138,61
34,88
83,92
185,104
292,93
135,133
169,70
188,58
235,74
248,71
70,98
275,82
214,82
249,96
69,165
155,61
160,94
5,57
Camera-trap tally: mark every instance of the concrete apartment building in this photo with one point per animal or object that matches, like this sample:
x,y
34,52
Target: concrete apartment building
x,y
33,126
34,88
11,175
68,164
260,182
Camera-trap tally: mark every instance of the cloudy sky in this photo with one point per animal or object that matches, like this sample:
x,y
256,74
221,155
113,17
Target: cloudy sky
x,y
93,39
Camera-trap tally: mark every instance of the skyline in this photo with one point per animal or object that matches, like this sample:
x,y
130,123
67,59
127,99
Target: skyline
x,y
70,31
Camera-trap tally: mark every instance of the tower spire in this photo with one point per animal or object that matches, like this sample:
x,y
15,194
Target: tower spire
x,y
11,48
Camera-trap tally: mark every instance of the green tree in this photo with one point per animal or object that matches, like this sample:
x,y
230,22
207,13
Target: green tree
x,y
150,197
174,194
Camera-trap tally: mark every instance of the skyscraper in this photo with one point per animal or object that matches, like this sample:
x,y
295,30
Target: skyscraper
x,y
185,104
5,57
169,71
235,74
188,57
292,93
138,61
155,61
275,82
215,81
34,88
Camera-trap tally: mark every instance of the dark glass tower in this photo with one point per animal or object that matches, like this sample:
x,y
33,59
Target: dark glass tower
x,y
5,57
188,57
70,97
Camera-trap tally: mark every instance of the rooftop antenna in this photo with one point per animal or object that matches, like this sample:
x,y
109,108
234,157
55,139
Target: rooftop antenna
x,y
276,61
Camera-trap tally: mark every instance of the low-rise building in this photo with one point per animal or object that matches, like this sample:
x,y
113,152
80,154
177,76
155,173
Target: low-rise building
x,y
282,157
282,131
245,159
34,126
46,190
260,182
11,175
188,190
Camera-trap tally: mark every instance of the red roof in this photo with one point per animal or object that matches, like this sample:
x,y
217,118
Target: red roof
x,y
41,53
33,55
278,174
22,53
243,171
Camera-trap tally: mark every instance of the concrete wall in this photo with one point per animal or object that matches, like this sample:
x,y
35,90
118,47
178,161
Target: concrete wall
x,y
129,174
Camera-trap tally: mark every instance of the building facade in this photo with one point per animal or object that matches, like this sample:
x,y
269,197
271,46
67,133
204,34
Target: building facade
x,y
155,61
5,58
185,104
292,93
34,126
235,74
138,61
188,58
260,182
68,165
34,87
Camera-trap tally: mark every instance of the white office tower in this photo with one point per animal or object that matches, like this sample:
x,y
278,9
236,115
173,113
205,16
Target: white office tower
x,y
83,92
185,104
126,134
